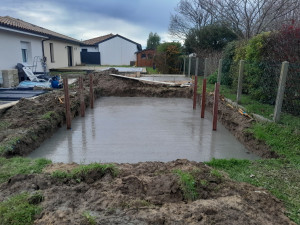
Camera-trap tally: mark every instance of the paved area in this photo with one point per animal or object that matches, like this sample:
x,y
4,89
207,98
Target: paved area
x,y
132,129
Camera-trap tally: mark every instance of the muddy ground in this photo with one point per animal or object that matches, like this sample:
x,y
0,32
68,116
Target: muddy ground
x,y
147,193
143,193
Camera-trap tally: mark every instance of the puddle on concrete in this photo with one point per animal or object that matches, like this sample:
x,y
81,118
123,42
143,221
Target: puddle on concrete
x,y
133,129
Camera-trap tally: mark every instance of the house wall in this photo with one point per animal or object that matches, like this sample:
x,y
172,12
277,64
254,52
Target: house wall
x,y
90,49
11,53
60,52
117,51
147,60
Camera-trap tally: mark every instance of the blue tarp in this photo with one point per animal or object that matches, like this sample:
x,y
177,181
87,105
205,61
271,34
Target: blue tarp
x,y
28,83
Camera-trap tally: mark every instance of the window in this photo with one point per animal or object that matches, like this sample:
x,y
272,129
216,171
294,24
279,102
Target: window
x,y
84,50
24,55
26,52
149,56
51,52
143,56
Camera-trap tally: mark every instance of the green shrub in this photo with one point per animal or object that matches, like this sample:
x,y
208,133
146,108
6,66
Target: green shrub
x,y
228,56
213,78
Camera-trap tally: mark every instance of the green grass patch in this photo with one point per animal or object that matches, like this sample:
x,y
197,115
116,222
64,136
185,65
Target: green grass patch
x,y
48,115
188,185
150,70
4,125
91,220
19,165
9,145
83,170
18,210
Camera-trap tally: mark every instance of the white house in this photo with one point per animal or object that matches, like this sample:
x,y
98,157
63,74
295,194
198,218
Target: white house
x,y
109,50
26,43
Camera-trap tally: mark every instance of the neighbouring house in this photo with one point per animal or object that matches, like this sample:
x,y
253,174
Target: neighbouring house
x,y
26,43
145,58
109,50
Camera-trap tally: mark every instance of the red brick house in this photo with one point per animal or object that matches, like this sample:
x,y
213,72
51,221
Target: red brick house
x,y
145,58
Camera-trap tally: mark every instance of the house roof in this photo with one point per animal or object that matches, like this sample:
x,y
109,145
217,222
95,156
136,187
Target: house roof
x,y
18,24
97,40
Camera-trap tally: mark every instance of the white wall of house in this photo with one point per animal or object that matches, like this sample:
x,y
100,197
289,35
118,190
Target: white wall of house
x,y
11,44
60,54
117,51
90,49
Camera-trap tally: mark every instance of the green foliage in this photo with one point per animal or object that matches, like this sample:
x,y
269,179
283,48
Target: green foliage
x,y
150,70
213,78
167,59
20,165
188,185
49,115
17,210
91,220
83,170
153,41
228,55
209,38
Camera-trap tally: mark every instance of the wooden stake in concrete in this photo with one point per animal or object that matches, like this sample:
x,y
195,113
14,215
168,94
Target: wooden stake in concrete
x,y
280,92
67,103
81,91
196,84
91,91
216,103
220,71
204,88
240,81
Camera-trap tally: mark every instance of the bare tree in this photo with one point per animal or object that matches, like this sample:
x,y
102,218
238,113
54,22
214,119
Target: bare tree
x,y
190,14
245,17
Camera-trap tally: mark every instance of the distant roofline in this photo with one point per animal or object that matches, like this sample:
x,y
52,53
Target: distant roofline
x,y
51,36
139,46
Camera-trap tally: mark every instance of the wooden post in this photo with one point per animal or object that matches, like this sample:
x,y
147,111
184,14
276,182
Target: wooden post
x,y
240,81
204,88
216,103
220,71
81,91
67,103
280,91
91,91
196,84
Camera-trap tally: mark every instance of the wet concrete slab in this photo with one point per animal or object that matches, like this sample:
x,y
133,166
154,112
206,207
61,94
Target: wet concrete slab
x,y
135,129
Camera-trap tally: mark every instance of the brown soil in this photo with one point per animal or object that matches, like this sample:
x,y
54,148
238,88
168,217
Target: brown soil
x,y
148,193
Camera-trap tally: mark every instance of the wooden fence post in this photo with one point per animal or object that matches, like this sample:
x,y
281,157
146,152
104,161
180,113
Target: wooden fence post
x,y
204,88
67,102
240,81
91,91
81,91
280,91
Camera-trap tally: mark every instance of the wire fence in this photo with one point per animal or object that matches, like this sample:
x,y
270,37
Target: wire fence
x,y
260,83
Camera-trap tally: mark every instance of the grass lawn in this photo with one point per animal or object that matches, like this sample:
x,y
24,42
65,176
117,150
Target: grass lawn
x,y
280,176
150,70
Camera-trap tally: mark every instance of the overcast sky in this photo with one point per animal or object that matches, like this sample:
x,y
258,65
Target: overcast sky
x,y
85,19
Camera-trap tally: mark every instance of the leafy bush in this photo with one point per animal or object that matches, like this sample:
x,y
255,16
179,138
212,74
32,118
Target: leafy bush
x,y
213,78
228,55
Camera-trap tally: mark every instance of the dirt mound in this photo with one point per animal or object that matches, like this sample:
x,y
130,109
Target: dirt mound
x,y
149,193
